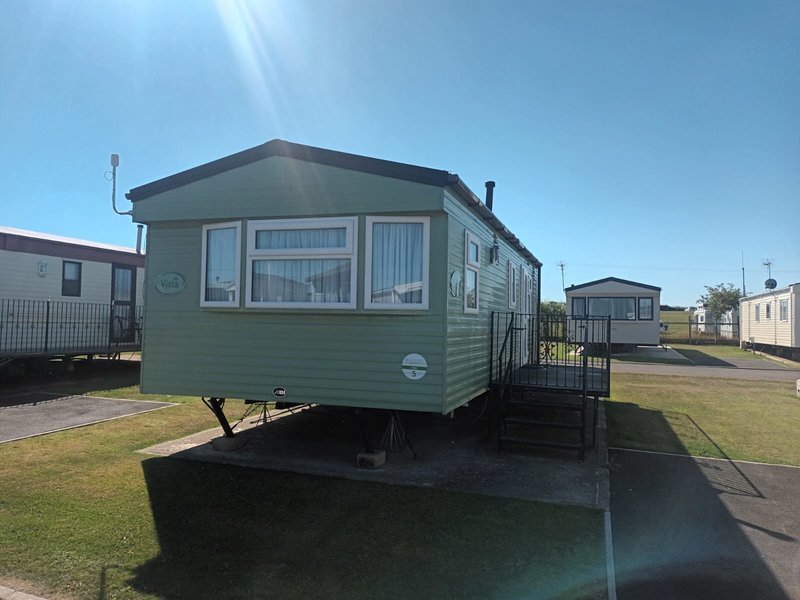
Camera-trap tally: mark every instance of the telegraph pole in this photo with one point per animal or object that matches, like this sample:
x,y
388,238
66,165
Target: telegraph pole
x,y
561,266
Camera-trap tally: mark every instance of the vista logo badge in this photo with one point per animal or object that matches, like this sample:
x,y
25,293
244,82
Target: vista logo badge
x,y
170,283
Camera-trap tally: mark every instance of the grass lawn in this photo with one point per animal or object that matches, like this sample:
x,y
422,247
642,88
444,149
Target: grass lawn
x,y
82,515
737,419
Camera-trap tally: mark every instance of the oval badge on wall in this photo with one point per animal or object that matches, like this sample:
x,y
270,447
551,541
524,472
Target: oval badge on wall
x,y
170,283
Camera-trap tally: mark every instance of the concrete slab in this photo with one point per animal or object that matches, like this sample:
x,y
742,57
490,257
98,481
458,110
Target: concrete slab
x,y
654,353
688,527
452,453
33,414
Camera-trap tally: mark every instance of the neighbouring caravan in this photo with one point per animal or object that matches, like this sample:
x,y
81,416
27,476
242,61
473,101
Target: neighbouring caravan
x,y
64,296
771,321
317,276
633,308
726,326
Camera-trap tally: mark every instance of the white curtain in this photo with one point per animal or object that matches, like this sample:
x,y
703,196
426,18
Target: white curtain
x,y
324,280
397,257
283,239
220,264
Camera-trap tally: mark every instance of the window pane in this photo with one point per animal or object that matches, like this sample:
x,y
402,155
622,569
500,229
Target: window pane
x,y
71,279
768,312
579,307
646,309
324,280
72,271
283,239
784,310
474,252
618,308
123,290
471,289
221,265
397,257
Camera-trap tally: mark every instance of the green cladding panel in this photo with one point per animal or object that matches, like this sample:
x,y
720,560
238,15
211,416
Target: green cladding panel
x,y
338,357
348,357
467,338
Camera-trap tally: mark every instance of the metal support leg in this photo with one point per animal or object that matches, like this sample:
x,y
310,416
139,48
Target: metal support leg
x,y
216,405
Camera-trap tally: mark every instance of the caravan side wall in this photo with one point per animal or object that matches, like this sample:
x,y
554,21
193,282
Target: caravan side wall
x,y
347,357
633,331
19,278
772,330
467,353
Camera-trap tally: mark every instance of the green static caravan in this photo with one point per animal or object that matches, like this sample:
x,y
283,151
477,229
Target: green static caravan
x,y
329,277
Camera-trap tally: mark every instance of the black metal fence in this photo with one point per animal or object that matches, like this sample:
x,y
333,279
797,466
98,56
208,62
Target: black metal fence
x,y
556,353
692,332
51,328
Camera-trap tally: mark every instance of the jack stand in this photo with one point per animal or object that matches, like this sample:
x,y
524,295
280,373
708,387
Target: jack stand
x,y
370,458
216,405
395,438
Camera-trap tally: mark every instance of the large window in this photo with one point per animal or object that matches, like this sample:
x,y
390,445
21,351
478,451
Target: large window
x,y
302,263
71,279
472,264
220,264
578,307
397,263
621,309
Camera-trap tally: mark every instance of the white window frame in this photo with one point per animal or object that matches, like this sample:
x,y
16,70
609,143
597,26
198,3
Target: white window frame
x,y
475,267
513,286
426,241
758,313
783,309
237,225
350,251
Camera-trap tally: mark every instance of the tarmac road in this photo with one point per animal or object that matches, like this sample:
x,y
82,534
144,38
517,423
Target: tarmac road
x,y
754,369
686,527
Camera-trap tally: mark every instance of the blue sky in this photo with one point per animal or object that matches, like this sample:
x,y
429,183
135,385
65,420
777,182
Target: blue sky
x,y
653,141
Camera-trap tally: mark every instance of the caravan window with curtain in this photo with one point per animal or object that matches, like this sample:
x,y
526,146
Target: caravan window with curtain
x,y
302,263
220,264
397,263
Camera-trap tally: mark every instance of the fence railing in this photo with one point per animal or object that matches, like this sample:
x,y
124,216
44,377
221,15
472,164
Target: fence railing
x,y
557,352
690,331
52,327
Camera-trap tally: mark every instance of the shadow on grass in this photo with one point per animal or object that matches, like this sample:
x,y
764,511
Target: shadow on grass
x,y
232,532
673,535
81,378
700,358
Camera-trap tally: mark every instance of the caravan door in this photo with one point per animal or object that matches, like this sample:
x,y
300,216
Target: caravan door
x,y
123,304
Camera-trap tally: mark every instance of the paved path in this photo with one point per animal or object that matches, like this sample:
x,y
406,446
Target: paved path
x,y
688,527
28,415
763,370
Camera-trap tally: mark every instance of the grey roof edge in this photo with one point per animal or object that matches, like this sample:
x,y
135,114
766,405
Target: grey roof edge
x,y
334,158
614,279
780,290
276,147
490,218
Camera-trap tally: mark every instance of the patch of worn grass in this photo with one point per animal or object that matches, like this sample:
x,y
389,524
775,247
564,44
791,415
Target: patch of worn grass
x,y
83,515
737,419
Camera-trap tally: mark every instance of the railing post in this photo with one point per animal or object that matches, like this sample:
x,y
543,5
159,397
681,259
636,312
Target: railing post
x,y
47,327
491,347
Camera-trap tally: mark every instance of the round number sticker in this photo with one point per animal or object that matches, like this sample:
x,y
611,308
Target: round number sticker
x,y
414,366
